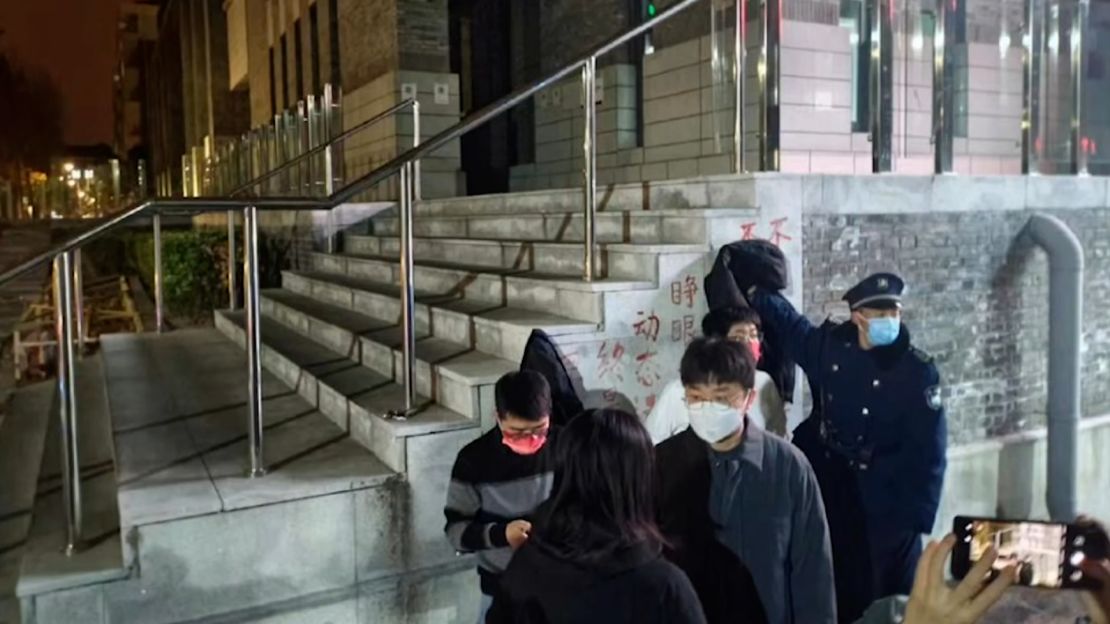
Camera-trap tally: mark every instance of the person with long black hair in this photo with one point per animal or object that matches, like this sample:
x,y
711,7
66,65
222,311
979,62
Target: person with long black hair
x,y
595,554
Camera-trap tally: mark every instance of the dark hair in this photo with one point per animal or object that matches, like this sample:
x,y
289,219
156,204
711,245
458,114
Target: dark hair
x,y
525,394
603,499
717,361
717,323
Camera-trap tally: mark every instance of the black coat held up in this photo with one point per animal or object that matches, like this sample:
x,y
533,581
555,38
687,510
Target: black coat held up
x,y
738,267
634,586
542,356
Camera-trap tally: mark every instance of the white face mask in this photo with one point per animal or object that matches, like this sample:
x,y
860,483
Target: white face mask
x,y
714,422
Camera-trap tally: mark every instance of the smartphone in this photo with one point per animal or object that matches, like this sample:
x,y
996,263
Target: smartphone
x,y
1047,554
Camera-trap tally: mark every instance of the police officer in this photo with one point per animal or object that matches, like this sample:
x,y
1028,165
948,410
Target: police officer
x,y
876,437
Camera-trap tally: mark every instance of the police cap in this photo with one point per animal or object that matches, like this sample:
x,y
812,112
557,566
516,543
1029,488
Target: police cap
x,y
881,290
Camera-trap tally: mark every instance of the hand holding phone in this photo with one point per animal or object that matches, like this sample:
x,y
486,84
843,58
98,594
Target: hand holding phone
x,y
934,601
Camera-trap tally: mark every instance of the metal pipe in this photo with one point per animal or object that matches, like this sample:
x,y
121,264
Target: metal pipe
x,y
195,205
1065,328
232,263
67,399
159,312
739,74
79,302
253,340
769,85
589,167
417,192
408,297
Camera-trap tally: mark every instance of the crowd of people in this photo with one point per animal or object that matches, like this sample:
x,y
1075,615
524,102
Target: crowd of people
x,y
712,510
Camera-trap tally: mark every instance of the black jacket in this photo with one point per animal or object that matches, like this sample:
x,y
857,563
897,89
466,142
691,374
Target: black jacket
x,y
725,587
636,586
542,356
738,267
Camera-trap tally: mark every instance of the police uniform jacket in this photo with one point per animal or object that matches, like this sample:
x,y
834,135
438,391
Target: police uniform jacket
x,y
879,409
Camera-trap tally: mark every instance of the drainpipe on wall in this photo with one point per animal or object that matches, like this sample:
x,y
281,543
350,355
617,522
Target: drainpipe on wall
x,y
1065,326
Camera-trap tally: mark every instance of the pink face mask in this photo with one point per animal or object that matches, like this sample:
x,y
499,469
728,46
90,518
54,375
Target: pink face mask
x,y
525,444
757,349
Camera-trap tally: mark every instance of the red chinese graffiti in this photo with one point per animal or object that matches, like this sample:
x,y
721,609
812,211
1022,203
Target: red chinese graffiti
x,y
747,231
649,402
609,361
777,235
647,370
682,330
647,326
684,291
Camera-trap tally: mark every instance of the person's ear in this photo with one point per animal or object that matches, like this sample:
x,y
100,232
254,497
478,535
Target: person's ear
x,y
748,402
859,319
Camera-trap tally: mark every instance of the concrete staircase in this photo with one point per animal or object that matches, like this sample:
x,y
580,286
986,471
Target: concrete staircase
x,y
347,526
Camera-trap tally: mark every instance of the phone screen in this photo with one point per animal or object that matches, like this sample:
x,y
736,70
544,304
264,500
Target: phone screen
x,y
1046,554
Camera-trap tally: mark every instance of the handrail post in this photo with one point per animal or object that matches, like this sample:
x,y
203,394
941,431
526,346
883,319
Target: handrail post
x,y
408,296
417,193
67,398
159,281
232,252
589,165
253,340
79,302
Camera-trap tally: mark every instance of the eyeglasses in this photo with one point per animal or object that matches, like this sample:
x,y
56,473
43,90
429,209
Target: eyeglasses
x,y
745,335
735,399
538,432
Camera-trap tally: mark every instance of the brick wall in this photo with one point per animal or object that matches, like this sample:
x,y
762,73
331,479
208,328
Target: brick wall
x,y
977,301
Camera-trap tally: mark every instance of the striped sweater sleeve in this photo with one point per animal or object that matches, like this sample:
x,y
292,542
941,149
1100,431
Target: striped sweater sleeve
x,y
464,502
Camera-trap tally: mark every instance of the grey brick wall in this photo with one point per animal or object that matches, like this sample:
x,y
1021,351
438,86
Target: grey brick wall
x,y
977,302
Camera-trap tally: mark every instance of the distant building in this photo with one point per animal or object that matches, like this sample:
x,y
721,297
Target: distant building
x,y
137,35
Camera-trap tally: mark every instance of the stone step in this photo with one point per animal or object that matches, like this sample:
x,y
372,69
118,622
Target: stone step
x,y
696,226
724,191
45,568
616,260
352,396
490,328
556,294
23,427
455,375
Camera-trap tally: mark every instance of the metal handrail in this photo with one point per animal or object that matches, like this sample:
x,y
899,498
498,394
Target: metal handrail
x,y
346,134
498,107
67,272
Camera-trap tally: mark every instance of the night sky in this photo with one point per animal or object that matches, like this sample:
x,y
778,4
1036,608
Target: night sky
x,y
73,40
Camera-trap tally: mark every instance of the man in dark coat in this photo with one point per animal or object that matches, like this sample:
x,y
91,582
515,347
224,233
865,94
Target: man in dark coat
x,y
876,438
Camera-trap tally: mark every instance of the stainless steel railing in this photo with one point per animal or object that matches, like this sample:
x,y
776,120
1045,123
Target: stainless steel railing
x,y
404,165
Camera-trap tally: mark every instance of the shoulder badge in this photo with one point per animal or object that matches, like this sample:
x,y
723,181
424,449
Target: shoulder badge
x,y
933,398
921,355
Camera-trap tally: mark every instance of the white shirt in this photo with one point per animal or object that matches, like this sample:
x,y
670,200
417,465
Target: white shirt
x,y
670,416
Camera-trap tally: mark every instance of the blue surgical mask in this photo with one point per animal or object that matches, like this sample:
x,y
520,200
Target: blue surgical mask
x,y
883,331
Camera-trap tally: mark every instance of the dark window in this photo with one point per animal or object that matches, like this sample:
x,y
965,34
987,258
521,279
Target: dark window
x,y
273,85
284,73
298,58
314,45
333,31
856,19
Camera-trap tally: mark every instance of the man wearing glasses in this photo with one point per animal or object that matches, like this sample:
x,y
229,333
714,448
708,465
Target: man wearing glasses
x,y
733,497
500,479
669,416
